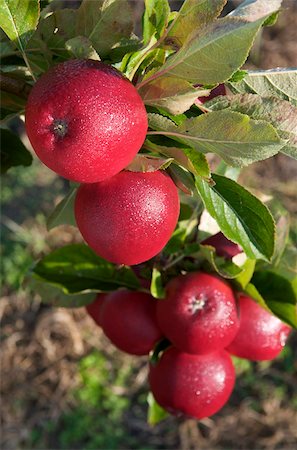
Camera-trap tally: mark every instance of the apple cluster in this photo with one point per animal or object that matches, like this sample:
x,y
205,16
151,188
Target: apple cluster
x,y
86,122
204,321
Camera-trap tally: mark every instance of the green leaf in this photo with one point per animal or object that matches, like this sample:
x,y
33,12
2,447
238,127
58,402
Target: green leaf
x,y
252,10
76,268
155,412
281,83
147,163
252,292
224,267
157,288
280,113
19,19
247,272
172,94
63,212
81,47
241,217
279,295
52,295
193,16
213,56
235,137
104,23
155,19
13,152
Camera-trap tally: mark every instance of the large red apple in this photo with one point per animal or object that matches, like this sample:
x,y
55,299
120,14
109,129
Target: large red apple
x,y
85,120
261,335
199,313
128,218
192,385
129,321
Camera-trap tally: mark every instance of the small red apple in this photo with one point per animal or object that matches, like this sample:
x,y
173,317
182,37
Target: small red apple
x,y
129,321
261,335
192,385
223,246
199,313
128,218
95,309
85,120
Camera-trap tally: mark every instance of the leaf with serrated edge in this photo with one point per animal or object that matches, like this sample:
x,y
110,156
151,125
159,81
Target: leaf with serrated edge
x,y
241,216
192,17
81,47
235,137
213,57
19,19
104,22
224,267
280,113
172,94
281,83
252,10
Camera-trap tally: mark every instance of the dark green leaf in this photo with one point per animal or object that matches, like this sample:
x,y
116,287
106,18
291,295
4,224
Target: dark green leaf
x,y
279,294
13,152
241,216
76,268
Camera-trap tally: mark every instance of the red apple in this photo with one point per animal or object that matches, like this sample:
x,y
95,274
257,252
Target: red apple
x,y
192,385
85,120
129,321
95,309
261,335
128,218
199,313
222,245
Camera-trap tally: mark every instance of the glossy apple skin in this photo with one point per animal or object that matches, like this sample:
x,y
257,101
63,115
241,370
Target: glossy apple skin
x,y
103,118
128,218
223,246
129,321
219,90
95,309
192,385
261,335
199,313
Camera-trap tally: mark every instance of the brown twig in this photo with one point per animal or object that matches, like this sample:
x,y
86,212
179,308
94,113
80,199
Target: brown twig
x,y
14,86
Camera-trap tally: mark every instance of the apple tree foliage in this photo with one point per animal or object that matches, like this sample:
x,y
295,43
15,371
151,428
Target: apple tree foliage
x,y
180,56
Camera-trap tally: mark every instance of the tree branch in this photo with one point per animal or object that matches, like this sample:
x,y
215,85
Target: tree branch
x,y
14,86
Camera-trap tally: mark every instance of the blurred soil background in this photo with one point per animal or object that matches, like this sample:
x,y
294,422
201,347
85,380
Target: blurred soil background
x,y
63,386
